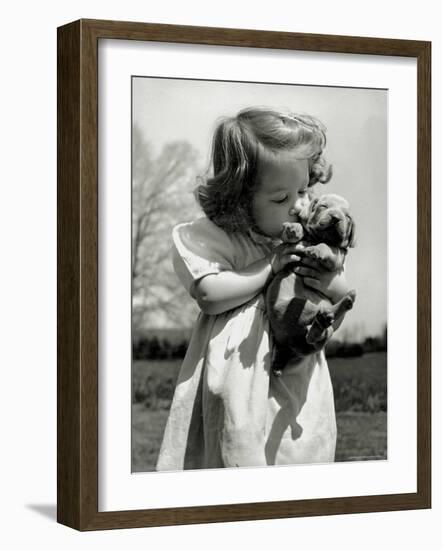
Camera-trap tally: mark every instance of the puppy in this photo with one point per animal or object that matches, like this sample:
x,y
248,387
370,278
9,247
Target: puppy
x,y
301,318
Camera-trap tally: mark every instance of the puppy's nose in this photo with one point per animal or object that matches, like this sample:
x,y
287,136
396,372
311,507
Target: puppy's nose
x,y
334,217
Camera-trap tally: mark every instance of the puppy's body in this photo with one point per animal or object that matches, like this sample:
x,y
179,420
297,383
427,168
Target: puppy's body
x,y
302,319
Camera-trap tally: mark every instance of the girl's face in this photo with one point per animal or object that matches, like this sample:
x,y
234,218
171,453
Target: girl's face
x,y
282,180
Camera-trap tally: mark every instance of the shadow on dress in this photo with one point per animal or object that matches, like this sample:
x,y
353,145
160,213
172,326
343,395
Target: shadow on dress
x,y
291,405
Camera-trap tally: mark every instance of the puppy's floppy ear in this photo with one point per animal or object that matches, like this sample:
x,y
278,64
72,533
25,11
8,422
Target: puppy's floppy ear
x,y
351,237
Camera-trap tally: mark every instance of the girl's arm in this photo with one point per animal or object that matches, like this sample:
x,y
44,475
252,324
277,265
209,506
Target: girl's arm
x,y
220,292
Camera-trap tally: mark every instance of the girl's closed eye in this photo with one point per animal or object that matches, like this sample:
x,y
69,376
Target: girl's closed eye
x,y
280,200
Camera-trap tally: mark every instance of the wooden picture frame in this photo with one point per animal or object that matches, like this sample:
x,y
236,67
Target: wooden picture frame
x,y
77,224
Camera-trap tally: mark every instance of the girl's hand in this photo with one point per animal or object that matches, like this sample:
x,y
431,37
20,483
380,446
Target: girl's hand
x,y
282,255
332,284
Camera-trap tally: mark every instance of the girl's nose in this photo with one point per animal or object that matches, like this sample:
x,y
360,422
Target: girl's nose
x,y
296,207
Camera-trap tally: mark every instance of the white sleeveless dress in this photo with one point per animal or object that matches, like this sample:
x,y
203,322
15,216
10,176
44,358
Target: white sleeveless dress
x,y
228,410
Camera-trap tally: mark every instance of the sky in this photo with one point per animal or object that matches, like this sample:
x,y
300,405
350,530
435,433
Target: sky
x,y
356,119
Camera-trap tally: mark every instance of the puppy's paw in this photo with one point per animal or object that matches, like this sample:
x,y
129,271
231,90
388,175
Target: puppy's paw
x,y
325,318
292,232
320,252
349,300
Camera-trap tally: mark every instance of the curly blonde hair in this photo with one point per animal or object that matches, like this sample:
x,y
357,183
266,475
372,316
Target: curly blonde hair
x,y
238,143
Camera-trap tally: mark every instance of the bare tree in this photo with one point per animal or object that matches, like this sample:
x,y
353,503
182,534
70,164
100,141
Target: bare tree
x,y
162,197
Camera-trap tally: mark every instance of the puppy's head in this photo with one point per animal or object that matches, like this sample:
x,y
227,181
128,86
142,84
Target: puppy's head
x,y
328,220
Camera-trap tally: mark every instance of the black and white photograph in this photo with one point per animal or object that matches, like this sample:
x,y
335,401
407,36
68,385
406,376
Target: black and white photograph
x,y
259,274
221,245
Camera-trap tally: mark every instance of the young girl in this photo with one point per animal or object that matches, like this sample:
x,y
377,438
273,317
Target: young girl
x,y
228,410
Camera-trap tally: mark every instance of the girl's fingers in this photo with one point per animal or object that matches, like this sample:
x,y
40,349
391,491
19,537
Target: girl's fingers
x,y
313,283
310,262
306,272
291,249
289,258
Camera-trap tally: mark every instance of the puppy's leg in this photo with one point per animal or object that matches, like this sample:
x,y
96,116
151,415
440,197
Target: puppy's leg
x,y
321,328
330,257
281,357
346,303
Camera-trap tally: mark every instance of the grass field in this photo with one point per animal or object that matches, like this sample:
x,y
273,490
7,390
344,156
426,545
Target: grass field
x,y
360,397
